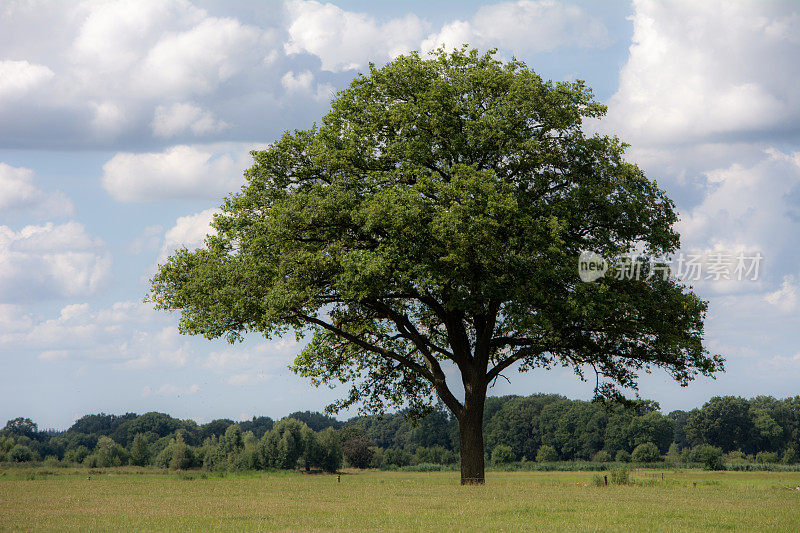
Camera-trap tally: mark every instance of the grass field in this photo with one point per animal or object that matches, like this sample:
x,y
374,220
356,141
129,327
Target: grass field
x,y
129,498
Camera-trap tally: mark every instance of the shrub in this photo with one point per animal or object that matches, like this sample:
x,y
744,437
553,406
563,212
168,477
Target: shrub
x,y
598,480
645,453
620,476
623,457
357,452
546,454
789,456
709,456
502,454
76,455
20,454
395,457
766,457
673,454
734,457
434,455
602,457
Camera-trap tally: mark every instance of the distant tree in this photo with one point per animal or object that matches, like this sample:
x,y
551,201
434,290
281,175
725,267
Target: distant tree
x,y
283,446
77,454
21,454
216,428
502,454
646,452
107,453
24,427
435,219
357,452
725,422
330,457
140,450
709,456
602,456
258,425
546,454
623,457
316,421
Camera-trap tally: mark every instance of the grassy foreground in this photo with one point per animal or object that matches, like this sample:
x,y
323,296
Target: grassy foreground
x,y
130,498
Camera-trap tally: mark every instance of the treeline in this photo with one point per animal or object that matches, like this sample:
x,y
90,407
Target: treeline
x,y
543,428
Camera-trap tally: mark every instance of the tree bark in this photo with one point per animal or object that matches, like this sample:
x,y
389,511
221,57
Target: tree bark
x,y
470,425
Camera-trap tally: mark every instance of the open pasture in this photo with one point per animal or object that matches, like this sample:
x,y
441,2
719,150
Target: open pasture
x,y
142,499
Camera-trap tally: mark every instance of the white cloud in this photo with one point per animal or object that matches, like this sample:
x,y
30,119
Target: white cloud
x,y
708,70
346,40
156,349
131,335
182,171
524,25
185,117
17,78
297,82
111,64
756,207
18,192
51,261
784,298
189,231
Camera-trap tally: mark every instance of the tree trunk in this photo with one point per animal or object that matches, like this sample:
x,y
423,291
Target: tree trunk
x,y
470,425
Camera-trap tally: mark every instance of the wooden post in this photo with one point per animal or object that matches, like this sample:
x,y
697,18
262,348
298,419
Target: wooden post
x,y
605,479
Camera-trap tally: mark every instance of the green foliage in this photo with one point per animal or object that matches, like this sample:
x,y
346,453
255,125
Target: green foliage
x,y
709,456
767,457
620,475
435,215
76,455
598,480
602,456
546,454
330,458
357,451
140,450
20,426
20,454
396,458
283,446
645,453
502,454
107,453
433,455
622,457
790,457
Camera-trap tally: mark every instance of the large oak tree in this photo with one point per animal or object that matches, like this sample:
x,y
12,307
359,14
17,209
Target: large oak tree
x,y
430,226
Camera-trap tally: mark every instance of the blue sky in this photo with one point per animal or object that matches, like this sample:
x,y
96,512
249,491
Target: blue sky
x,y
123,124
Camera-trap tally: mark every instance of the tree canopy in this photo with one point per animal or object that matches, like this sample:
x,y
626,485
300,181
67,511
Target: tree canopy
x,y
435,218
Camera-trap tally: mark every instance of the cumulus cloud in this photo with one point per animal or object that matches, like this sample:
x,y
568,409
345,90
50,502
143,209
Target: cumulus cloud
x,y
51,261
185,117
18,193
17,78
701,71
129,334
784,298
110,65
345,40
749,206
524,25
189,232
179,172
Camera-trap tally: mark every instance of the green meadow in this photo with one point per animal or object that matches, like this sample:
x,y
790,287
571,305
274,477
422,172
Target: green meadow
x,y
147,499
